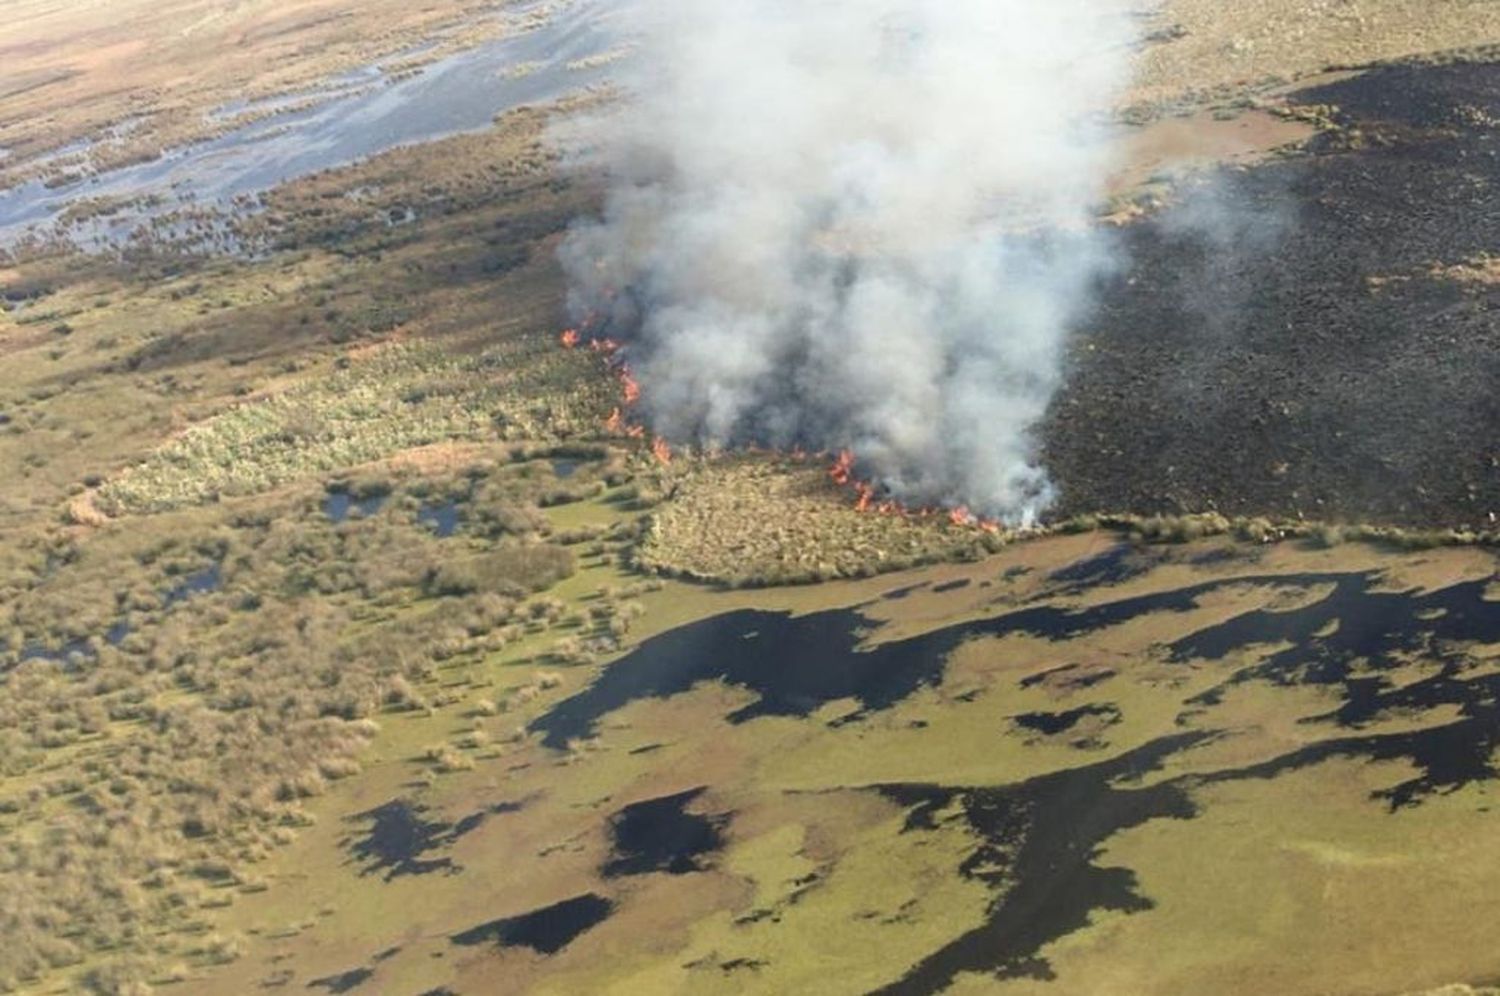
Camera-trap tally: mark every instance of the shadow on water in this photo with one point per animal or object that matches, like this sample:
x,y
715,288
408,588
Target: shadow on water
x,y
547,930
659,835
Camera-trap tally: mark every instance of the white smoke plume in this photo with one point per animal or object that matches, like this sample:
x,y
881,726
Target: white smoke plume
x,y
857,224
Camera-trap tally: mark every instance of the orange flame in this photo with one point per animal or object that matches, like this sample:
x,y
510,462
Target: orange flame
x,y
632,388
662,451
961,516
569,339
604,345
842,470
615,423
636,432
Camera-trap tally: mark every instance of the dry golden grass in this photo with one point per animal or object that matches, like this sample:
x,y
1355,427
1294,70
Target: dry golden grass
x,y
1210,49
757,521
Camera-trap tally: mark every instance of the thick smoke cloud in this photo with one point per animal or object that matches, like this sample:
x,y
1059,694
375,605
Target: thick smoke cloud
x,y
861,224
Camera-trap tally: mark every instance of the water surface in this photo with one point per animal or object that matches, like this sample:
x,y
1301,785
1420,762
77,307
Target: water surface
x,y
350,118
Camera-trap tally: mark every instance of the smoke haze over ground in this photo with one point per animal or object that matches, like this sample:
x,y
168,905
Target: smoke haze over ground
x,y
861,224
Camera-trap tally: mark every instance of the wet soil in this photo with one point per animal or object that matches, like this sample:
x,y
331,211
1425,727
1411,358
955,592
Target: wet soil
x,y
1279,341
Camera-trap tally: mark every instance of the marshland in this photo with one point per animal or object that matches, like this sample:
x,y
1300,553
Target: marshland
x,y
348,644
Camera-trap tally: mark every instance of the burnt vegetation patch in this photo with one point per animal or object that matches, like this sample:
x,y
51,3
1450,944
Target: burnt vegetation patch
x,y
1290,339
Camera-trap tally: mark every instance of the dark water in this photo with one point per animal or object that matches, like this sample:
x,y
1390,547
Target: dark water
x,y
442,518
1039,839
566,467
339,505
1052,723
401,838
343,982
1377,632
1120,562
547,930
352,118
1069,676
659,835
201,582
69,650
797,664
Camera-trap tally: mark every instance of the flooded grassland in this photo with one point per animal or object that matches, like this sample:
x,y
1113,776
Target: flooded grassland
x,y
1191,773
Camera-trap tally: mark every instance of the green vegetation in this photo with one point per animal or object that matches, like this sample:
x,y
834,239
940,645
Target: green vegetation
x,y
755,521
399,397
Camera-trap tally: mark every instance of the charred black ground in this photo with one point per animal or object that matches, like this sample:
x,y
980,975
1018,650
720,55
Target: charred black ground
x,y
1282,341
